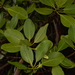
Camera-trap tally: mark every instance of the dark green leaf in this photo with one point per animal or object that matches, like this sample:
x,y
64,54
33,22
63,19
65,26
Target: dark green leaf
x,y
44,11
29,29
18,65
57,70
13,36
68,3
59,3
69,42
42,49
66,63
55,58
67,20
62,45
19,11
10,47
41,34
25,42
48,2
70,9
27,54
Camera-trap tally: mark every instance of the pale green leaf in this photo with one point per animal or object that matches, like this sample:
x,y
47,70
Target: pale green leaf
x,y
19,11
10,47
67,20
31,8
41,34
70,9
13,36
48,2
57,70
55,58
18,65
26,54
42,49
44,11
29,29
66,63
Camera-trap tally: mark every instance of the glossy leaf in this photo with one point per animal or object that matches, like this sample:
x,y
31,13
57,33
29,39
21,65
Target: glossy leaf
x,y
29,29
71,33
70,9
31,8
42,49
57,70
59,3
25,42
13,36
10,47
67,20
68,3
13,22
19,11
44,11
18,65
41,34
62,45
26,54
66,63
48,2
55,58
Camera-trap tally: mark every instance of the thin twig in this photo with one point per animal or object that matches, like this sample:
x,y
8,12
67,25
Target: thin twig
x,y
17,72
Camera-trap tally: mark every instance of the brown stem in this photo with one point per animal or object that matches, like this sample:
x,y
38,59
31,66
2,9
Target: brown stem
x,y
70,55
17,72
10,56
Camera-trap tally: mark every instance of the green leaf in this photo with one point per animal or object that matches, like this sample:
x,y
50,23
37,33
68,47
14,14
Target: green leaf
x,y
41,34
70,9
69,42
11,47
31,8
68,3
19,11
42,49
1,16
26,54
66,63
62,45
59,3
71,33
13,36
25,42
13,22
67,20
29,29
55,58
2,22
2,56
20,28
18,65
57,70
44,11
48,2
